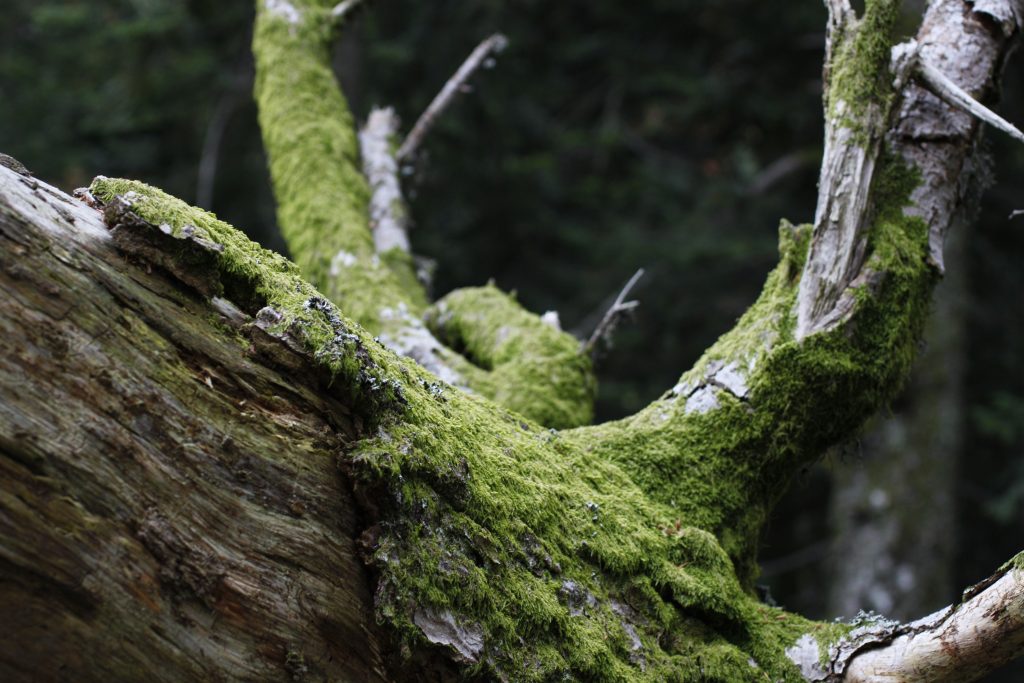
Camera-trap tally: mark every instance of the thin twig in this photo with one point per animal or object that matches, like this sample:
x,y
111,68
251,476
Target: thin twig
x,y
945,88
455,84
343,9
619,309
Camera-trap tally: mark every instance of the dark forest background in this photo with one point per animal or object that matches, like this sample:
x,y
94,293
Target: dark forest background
x,y
669,135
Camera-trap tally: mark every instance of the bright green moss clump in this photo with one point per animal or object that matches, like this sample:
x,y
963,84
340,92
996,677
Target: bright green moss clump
x,y
255,279
860,75
531,367
723,469
561,564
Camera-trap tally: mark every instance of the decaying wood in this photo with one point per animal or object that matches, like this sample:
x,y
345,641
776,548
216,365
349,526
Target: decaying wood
x,y
389,217
962,642
171,506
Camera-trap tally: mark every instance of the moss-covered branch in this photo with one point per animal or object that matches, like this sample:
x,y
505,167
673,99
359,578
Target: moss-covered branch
x,y
773,393
512,549
324,210
322,195
528,365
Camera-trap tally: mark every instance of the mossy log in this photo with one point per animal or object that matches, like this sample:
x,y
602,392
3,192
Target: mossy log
x,y
204,446
171,506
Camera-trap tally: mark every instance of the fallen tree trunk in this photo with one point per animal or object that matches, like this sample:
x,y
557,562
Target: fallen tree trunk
x,y
171,507
177,403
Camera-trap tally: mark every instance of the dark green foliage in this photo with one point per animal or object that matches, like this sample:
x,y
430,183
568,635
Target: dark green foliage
x,y
129,88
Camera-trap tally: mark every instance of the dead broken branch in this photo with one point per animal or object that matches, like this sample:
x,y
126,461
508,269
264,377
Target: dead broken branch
x,y
619,309
940,84
457,83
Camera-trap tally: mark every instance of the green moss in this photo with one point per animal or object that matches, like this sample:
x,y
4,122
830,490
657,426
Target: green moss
x,y
254,278
828,636
564,564
859,72
614,553
1016,563
311,143
530,366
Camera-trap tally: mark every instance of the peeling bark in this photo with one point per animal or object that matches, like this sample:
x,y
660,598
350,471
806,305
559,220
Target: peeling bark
x,y
962,642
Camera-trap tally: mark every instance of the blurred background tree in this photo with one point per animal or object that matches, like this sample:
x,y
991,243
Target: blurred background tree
x,y
671,136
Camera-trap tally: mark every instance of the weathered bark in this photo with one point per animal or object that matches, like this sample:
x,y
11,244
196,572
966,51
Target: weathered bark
x,y
171,506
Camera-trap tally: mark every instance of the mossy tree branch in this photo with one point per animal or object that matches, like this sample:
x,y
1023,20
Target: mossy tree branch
x,y
811,361
348,236
528,365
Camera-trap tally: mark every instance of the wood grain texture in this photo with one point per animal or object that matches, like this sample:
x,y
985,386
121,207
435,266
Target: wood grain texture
x,y
171,506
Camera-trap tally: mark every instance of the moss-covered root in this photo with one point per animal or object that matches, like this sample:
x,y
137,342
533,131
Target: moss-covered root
x,y
529,366
322,195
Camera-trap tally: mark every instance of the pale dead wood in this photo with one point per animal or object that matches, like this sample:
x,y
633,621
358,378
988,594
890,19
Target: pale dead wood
x,y
949,91
170,505
389,218
959,643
